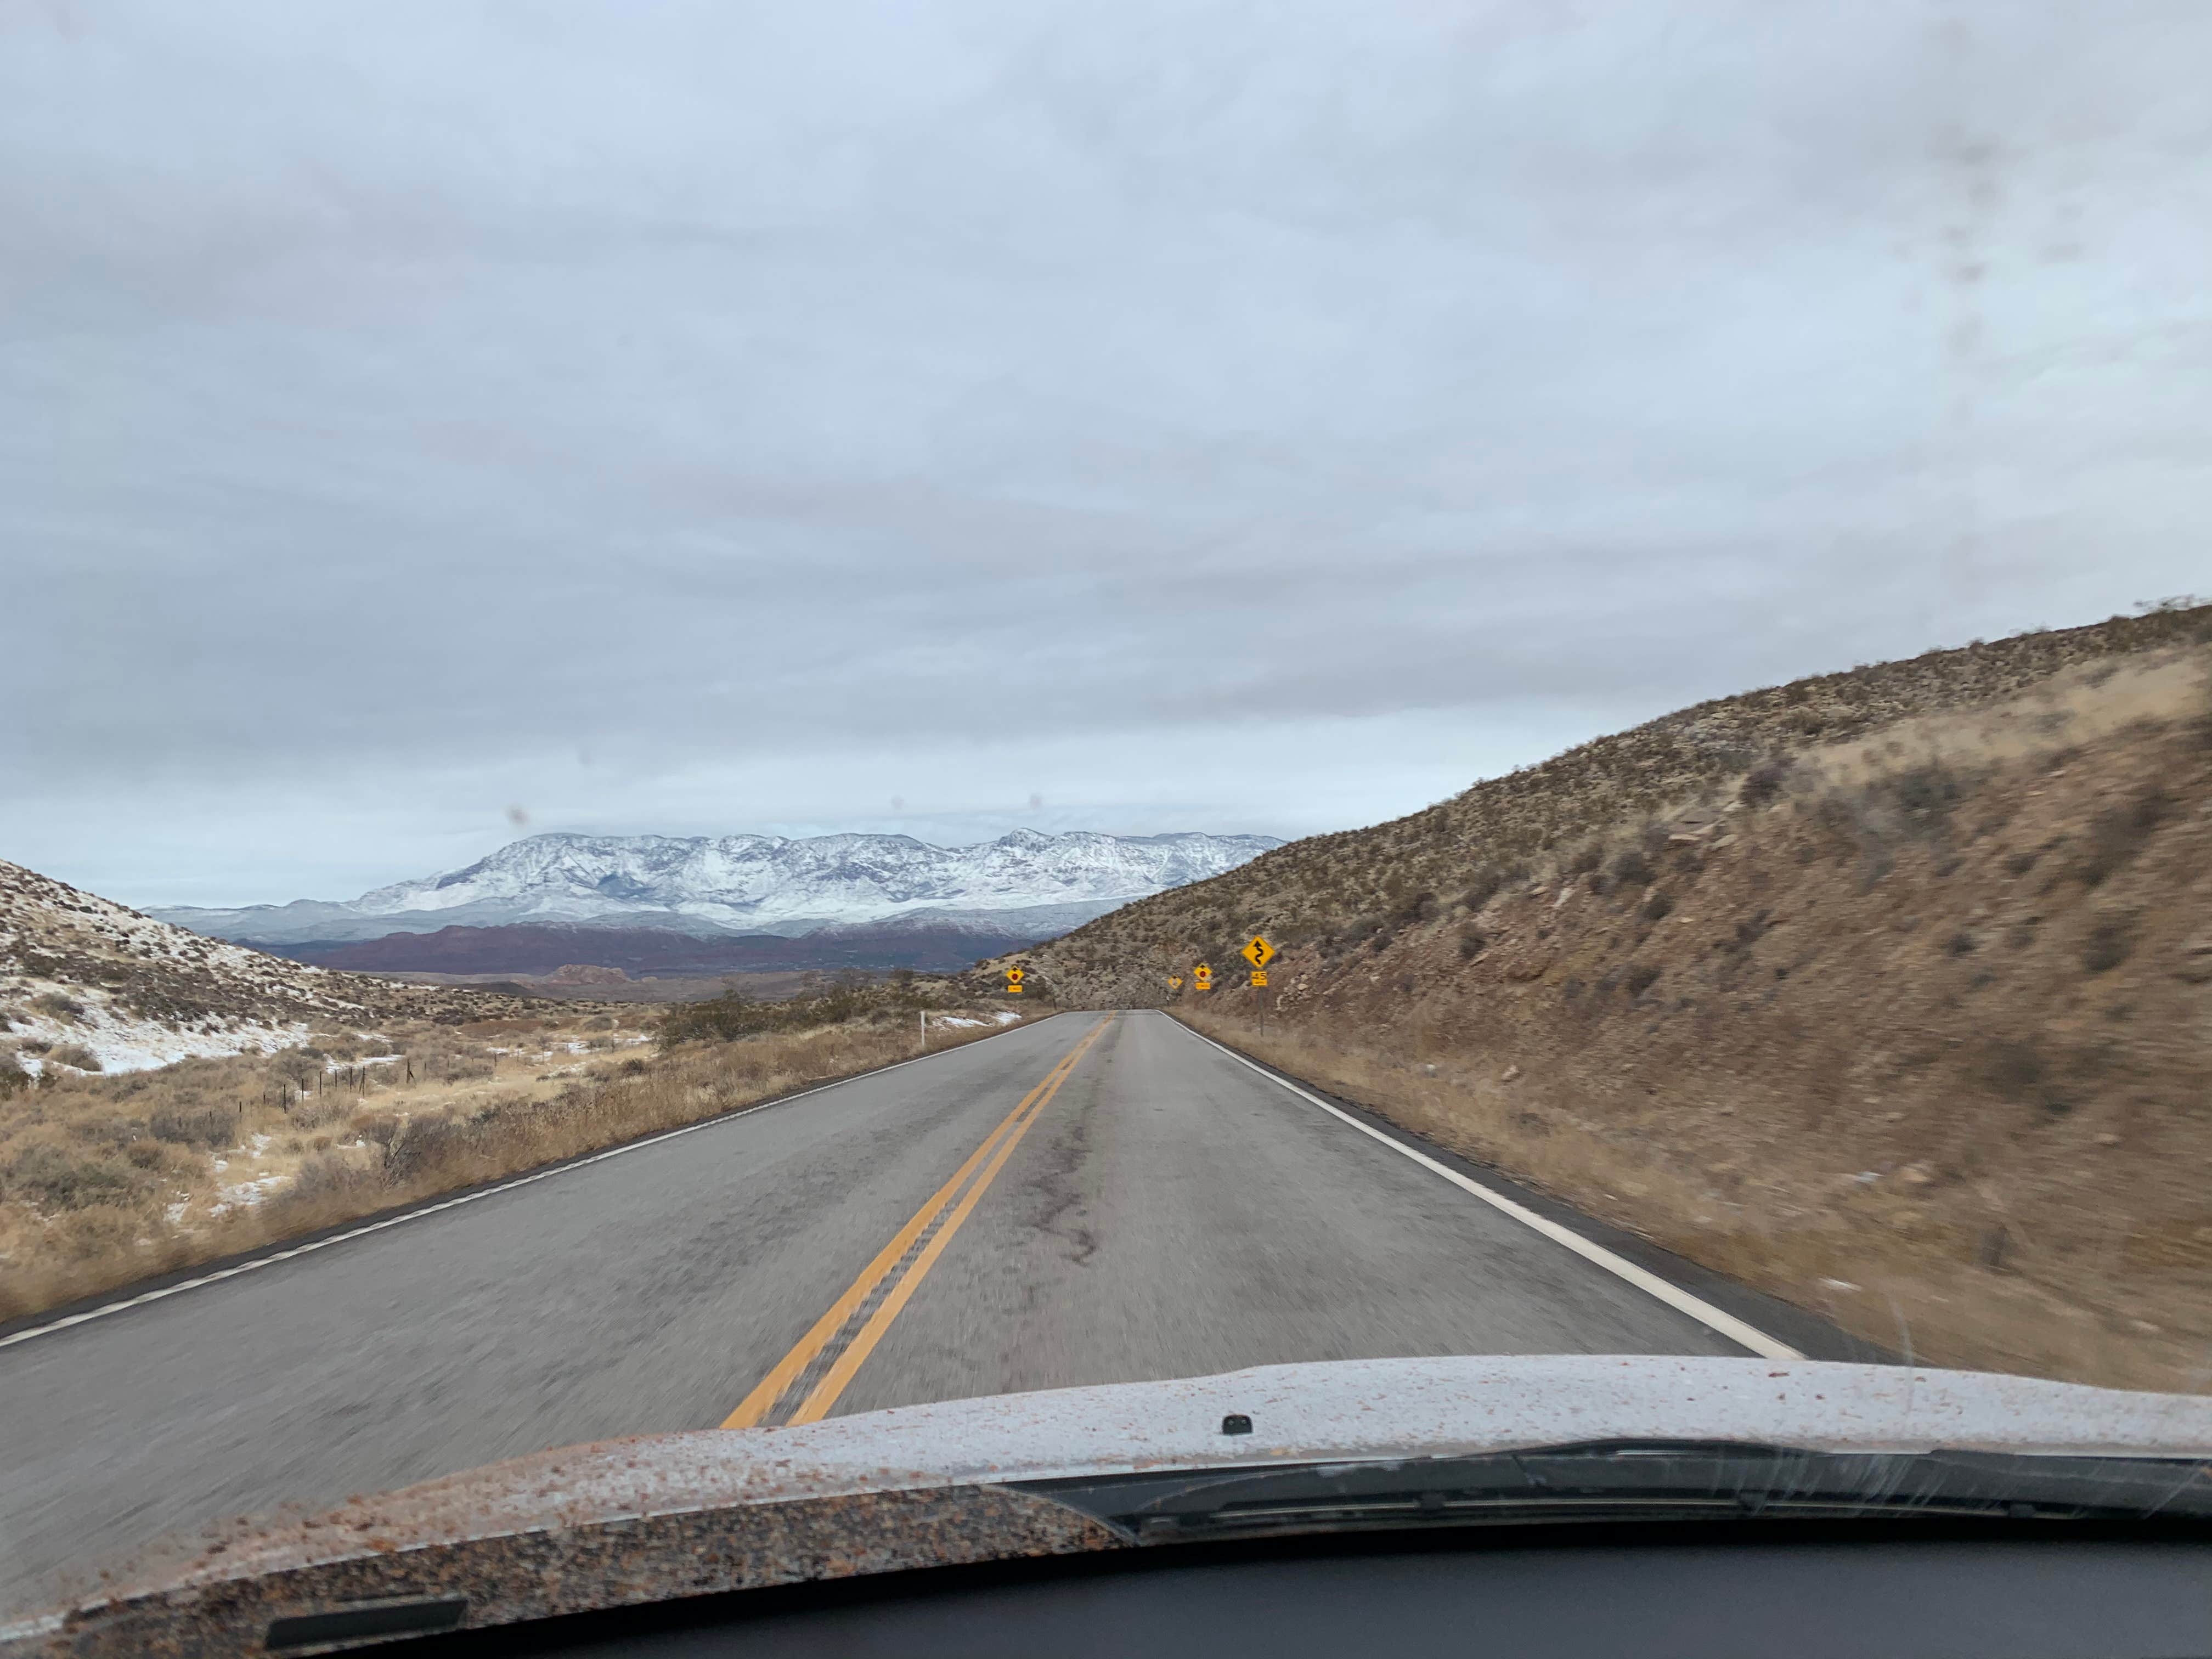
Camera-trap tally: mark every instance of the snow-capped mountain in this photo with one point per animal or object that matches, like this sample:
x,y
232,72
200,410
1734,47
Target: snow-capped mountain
x,y
1025,883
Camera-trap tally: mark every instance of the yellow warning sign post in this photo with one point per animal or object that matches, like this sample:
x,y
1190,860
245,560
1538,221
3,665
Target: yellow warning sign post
x,y
1175,981
1259,953
1013,981
1201,978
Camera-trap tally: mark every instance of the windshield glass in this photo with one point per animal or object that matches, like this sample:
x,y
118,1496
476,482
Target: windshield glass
x,y
721,718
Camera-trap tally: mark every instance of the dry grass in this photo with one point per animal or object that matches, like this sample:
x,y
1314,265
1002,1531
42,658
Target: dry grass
x,y
1955,1285
104,1181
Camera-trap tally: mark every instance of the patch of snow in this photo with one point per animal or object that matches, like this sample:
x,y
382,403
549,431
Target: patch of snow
x,y
1003,1017
123,1042
246,1194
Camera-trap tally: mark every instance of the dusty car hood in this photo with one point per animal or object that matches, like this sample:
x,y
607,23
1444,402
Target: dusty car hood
x,y
645,1519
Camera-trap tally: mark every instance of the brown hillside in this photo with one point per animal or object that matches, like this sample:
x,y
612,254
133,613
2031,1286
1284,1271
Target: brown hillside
x,y
1889,991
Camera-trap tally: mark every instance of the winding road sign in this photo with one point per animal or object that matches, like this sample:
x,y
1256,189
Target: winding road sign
x,y
1259,952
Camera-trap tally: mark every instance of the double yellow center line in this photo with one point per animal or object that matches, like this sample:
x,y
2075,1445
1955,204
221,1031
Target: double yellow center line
x,y
806,1383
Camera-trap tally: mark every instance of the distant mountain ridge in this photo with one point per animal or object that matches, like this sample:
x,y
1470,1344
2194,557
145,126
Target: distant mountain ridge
x,y
1026,884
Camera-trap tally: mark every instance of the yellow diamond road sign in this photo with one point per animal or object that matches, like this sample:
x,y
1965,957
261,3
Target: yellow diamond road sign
x,y
1203,977
1175,981
1013,975
1259,953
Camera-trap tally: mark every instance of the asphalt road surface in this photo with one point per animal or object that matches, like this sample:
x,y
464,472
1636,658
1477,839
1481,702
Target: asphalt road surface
x,y
1092,1199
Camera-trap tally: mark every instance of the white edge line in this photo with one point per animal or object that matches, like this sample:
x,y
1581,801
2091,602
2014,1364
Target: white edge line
x,y
274,1256
1674,1295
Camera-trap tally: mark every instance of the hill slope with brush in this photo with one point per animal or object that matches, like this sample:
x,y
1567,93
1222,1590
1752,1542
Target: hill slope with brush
x,y
1888,991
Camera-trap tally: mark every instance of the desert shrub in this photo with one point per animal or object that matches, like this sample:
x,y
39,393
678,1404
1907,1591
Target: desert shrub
x,y
2119,832
1925,796
2020,863
2110,942
147,1155
1640,977
54,1178
420,1145
1414,907
298,1067
1584,860
1961,944
1471,943
193,1125
1763,782
75,1055
54,1004
94,1231
2011,1067
12,1074
107,1131
313,1111
1631,868
727,1018
327,1176
1482,889
1658,906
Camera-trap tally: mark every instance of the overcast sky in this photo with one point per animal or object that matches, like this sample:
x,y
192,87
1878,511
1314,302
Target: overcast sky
x,y
417,419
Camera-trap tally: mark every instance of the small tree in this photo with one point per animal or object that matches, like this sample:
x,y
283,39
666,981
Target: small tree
x,y
299,1068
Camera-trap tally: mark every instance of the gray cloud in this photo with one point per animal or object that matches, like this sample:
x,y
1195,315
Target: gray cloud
x,y
687,418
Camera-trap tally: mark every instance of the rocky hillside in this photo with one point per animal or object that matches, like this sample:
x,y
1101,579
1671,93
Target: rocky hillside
x,y
94,985
1890,992
1700,758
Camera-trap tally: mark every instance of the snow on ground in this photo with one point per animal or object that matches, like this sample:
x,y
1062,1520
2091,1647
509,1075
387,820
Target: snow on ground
x,y
46,922
123,1042
246,1194
1003,1017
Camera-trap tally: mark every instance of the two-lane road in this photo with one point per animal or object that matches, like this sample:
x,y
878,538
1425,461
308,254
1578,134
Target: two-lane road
x,y
1093,1198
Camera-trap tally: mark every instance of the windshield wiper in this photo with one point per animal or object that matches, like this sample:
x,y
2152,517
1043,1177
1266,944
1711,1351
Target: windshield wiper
x,y
1614,1481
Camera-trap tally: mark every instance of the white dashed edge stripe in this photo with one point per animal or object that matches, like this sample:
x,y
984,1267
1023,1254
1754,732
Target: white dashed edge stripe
x,y
1674,1295
276,1256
